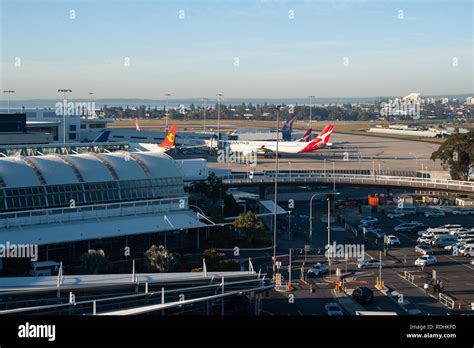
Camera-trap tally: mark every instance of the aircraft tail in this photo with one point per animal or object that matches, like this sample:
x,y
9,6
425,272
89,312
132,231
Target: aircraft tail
x,y
169,140
288,125
137,127
103,137
321,140
306,136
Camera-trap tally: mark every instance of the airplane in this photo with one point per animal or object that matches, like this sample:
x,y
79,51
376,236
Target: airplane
x,y
137,127
165,146
288,147
306,136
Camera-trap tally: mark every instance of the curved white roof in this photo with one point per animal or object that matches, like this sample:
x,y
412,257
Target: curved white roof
x,y
15,172
91,169
55,171
159,164
125,167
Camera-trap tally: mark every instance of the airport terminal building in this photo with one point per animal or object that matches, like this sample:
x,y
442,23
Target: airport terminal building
x,y
67,204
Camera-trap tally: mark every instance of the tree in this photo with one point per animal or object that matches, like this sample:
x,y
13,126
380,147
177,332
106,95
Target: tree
x,y
159,258
252,227
457,154
95,261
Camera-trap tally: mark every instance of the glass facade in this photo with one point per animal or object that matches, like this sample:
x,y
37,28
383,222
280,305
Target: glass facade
x,y
51,196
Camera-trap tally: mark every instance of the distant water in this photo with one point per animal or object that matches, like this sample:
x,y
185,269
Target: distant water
x,y
175,103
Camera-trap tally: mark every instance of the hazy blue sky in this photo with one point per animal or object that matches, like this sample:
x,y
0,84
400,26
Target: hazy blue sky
x,y
195,56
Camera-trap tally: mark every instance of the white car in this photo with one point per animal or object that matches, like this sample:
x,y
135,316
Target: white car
x,y
393,240
370,263
424,240
423,249
396,214
467,251
426,260
318,269
434,213
368,220
333,309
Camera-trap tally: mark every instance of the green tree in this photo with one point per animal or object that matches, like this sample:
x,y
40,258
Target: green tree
x,y
457,154
95,261
159,258
252,227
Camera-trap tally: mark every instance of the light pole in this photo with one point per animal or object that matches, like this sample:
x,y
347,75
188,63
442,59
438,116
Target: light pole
x,y
204,100
329,234
91,111
167,95
64,91
218,95
311,211
310,109
276,189
333,178
8,92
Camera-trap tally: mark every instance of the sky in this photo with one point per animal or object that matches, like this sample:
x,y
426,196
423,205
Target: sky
x,y
240,48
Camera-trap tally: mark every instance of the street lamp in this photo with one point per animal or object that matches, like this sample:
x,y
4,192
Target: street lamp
x,y
310,107
167,95
218,95
91,111
204,100
64,91
311,211
276,187
8,92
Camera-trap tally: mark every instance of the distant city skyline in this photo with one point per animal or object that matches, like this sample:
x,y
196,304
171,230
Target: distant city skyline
x,y
247,49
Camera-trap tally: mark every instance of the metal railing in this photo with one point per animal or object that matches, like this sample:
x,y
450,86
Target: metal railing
x,y
96,211
446,300
375,179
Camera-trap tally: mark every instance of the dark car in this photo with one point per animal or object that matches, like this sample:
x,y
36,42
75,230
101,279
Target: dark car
x,y
363,295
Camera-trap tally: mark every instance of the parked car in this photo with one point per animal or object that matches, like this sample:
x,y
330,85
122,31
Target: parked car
x,y
424,240
363,295
423,249
426,260
435,213
333,309
408,210
370,263
454,246
451,226
369,220
442,241
318,269
462,212
467,251
393,240
395,214
410,227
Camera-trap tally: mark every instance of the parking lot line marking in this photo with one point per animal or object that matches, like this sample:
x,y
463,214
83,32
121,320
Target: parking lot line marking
x,y
471,268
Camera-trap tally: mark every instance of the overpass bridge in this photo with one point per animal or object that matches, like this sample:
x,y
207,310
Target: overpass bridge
x,y
371,179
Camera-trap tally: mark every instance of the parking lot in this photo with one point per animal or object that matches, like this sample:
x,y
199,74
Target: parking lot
x,y
456,272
